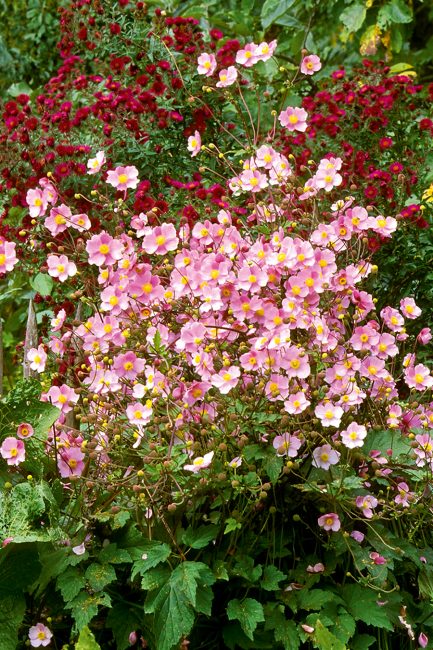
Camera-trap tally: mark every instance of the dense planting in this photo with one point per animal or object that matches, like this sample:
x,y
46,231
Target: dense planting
x,y
224,434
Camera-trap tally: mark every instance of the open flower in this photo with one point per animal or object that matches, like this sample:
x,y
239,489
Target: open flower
x,y
40,635
201,462
330,521
310,64
294,119
194,143
123,178
38,358
25,430
13,451
95,164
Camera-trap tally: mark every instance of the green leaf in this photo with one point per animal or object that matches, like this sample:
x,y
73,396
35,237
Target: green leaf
x,y
245,568
271,577
396,11
122,620
249,613
272,10
86,641
12,609
362,604
353,17
273,466
100,575
284,629
19,567
199,537
70,583
324,640
384,440
362,642
85,607
316,598
187,589
232,525
153,553
111,554
42,283
20,88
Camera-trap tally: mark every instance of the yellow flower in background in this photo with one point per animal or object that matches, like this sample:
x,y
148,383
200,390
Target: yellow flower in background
x,y
428,194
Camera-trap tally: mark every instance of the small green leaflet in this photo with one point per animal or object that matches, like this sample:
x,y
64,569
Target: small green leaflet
x,y
249,613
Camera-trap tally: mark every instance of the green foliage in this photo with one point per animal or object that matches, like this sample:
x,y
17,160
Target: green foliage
x,y
12,610
249,613
86,641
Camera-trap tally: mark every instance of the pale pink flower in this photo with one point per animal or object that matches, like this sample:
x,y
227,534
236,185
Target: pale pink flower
x,y
264,51
59,219
377,558
325,456
104,250
423,640
79,550
226,379
61,267
354,435
357,536
13,450
385,226
38,358
70,462
37,203
138,413
128,365
123,178
80,222
227,77
201,462
330,521
25,430
366,504
310,64
8,258
161,240
409,308
58,320
404,495
297,403
50,193
294,119
329,414
194,143
418,377
40,635
206,64
253,181
287,445
95,164
64,397
316,568
424,336
247,57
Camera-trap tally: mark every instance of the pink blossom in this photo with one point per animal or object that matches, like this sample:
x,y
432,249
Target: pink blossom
x,y
25,430
206,64
95,164
330,521
123,178
58,220
58,320
385,226
128,365
247,57
161,239
423,640
287,445
138,413
294,119
8,258
377,559
61,267
38,358
325,456
37,203
194,143
226,379
227,77
310,64
418,377
297,403
70,462
409,308
62,396
404,495
264,51
80,222
40,635
104,250
424,336
13,450
201,462
354,435
79,550
366,504
357,536
316,568
329,414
